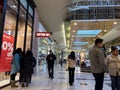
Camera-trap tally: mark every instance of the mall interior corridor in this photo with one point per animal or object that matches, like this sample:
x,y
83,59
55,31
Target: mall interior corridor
x,y
83,34
83,81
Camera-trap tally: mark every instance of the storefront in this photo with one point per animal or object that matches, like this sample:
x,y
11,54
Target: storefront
x,y
16,30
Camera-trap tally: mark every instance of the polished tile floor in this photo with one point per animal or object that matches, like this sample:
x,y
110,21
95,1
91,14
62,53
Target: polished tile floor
x,y
83,81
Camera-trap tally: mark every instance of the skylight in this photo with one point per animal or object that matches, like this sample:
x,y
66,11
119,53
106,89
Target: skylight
x,y
80,43
87,33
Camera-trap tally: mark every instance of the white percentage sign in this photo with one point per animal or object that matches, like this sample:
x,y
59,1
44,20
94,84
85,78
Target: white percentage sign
x,y
10,49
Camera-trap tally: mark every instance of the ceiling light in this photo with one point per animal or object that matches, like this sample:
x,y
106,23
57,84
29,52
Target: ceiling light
x,y
105,30
75,24
72,39
14,6
23,15
98,35
74,31
115,23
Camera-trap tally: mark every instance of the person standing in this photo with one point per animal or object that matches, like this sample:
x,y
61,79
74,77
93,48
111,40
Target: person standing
x,y
71,67
50,61
21,66
113,62
97,61
15,66
29,63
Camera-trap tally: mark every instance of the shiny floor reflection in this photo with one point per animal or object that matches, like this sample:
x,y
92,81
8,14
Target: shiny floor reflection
x,y
83,81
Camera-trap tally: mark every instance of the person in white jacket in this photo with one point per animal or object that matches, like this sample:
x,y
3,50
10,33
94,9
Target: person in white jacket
x,y
113,62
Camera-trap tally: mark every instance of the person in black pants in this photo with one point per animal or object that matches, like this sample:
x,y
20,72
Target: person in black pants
x,y
50,61
71,67
29,63
97,61
99,78
21,65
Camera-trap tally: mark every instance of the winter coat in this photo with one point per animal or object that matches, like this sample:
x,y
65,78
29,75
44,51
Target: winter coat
x,y
71,63
51,58
97,60
113,63
15,64
29,63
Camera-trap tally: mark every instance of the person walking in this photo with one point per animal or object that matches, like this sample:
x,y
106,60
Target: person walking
x,y
71,67
97,61
113,62
50,61
29,63
15,66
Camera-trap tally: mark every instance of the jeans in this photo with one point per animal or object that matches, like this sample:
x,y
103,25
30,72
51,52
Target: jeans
x,y
71,75
12,77
99,79
115,82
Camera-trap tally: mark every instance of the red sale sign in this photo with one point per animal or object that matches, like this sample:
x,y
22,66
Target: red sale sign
x,y
6,53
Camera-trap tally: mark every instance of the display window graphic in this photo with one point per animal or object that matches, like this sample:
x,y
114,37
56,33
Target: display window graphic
x,y
6,53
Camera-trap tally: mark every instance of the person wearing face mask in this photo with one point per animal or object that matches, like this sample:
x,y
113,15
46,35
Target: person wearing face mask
x,y
113,62
50,61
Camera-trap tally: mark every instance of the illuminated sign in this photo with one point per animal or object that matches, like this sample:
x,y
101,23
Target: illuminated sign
x,y
42,34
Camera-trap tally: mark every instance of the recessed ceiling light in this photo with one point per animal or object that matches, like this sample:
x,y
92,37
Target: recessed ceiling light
x,y
75,24
14,6
105,30
115,23
23,15
74,31
99,35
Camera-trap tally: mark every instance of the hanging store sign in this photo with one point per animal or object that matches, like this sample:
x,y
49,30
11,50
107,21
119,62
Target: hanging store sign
x,y
6,52
42,34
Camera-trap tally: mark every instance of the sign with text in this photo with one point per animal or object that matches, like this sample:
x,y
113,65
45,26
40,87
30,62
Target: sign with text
x,y
6,52
42,34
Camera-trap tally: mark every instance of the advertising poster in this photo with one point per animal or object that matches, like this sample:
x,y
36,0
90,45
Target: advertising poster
x,y
6,52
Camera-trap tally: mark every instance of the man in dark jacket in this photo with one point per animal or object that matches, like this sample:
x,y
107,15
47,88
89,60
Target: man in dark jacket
x,y
50,61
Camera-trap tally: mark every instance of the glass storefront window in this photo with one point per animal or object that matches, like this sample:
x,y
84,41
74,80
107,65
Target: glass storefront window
x,y
21,28
24,3
31,10
8,39
15,22
30,20
28,38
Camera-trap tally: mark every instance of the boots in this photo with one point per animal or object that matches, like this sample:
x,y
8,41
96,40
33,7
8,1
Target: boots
x,y
12,83
23,84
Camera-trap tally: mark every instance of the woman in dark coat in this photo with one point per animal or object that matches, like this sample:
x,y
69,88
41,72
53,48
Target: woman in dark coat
x,y
28,66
